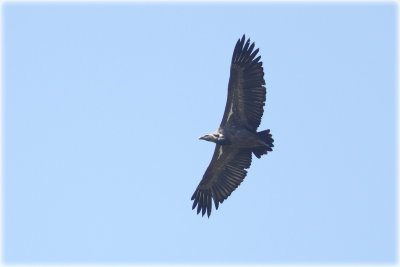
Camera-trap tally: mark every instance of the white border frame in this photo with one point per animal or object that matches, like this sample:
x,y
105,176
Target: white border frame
x,y
397,2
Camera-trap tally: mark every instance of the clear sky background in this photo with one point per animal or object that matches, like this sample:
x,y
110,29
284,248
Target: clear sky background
x,y
104,104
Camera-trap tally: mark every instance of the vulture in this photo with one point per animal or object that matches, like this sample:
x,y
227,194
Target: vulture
x,y
236,138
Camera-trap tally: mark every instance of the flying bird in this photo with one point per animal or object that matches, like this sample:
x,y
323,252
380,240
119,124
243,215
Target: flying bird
x,y
236,138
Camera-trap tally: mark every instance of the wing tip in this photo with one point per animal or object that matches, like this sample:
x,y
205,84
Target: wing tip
x,y
243,51
203,201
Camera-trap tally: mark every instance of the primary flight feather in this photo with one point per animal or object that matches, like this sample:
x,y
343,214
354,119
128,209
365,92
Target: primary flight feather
x,y
237,137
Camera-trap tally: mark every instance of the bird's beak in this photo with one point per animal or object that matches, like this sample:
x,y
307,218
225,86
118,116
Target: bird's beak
x,y
202,137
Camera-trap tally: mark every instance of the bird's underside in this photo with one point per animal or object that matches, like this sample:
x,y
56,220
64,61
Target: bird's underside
x,y
237,137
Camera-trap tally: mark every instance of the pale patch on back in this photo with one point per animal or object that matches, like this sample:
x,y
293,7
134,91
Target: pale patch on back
x,y
220,152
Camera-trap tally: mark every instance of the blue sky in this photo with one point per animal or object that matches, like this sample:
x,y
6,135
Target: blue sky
x,y
103,105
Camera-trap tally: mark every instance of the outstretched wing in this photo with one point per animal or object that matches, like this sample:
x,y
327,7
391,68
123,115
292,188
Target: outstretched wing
x,y
246,90
224,174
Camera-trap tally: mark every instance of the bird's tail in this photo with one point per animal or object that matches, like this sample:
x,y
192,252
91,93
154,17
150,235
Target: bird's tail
x,y
266,137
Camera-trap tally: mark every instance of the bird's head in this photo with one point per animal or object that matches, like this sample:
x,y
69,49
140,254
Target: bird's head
x,y
209,137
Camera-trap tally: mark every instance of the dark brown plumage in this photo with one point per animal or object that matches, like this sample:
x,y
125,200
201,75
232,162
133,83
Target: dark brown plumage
x,y
237,137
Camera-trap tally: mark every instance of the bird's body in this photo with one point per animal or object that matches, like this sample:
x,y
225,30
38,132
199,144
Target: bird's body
x,y
237,137
241,137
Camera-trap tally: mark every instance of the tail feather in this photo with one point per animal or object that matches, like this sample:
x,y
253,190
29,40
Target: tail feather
x,y
266,137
